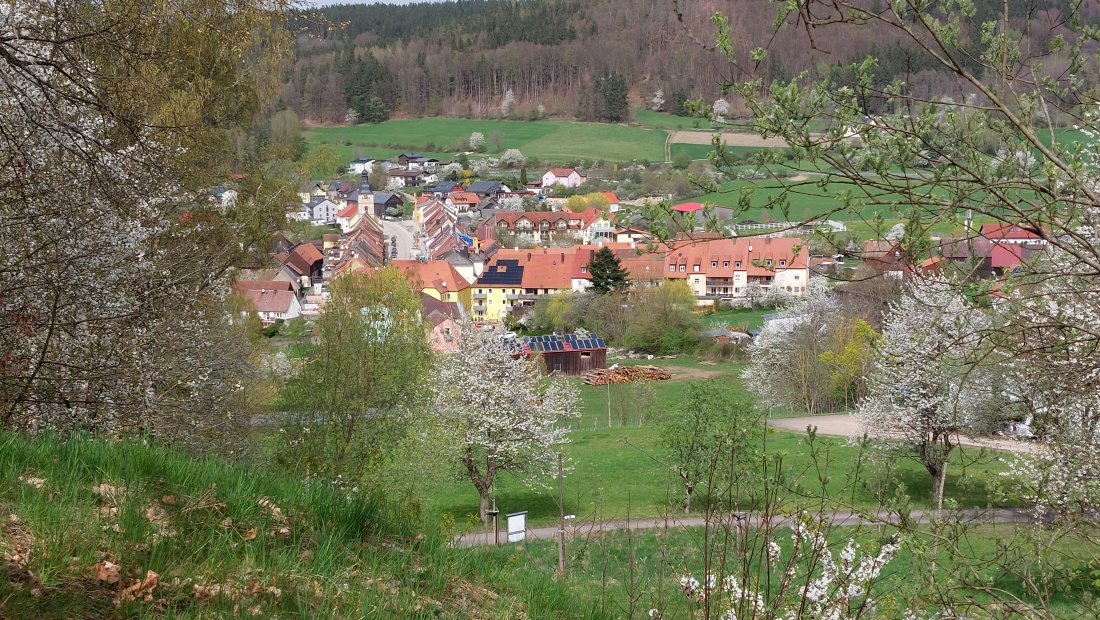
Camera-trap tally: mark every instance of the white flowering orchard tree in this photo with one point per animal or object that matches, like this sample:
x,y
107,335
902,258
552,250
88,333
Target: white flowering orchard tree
x,y
784,368
113,254
505,415
925,389
508,104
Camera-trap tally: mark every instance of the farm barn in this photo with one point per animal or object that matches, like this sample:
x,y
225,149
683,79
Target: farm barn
x,y
571,354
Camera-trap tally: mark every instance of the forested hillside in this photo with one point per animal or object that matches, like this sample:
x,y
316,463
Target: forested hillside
x,y
460,58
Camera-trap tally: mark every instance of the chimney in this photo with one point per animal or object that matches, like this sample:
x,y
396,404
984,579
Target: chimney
x,y
767,240
631,245
563,258
528,256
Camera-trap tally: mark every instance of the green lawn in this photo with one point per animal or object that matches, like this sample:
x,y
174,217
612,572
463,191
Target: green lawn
x,y
664,120
738,317
621,468
550,141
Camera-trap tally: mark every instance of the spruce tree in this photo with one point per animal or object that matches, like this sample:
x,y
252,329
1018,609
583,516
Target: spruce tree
x,y
607,273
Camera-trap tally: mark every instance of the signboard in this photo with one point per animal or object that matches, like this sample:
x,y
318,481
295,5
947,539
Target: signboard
x,y
517,526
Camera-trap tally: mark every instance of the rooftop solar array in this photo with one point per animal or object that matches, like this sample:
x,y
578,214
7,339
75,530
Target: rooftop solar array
x,y
558,343
504,272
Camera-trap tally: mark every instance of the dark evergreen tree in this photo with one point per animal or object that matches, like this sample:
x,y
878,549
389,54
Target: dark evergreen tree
x,y
679,101
616,107
375,111
607,272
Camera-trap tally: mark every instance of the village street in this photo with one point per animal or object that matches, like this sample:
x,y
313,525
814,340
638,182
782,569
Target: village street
x,y
402,231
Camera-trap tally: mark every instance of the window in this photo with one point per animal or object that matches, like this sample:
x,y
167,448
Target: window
x,y
767,262
478,291
713,263
782,262
584,269
683,268
586,354
796,277
737,289
513,291
737,264
725,263
672,267
696,268
490,302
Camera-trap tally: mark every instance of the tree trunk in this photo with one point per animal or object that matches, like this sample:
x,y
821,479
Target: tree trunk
x,y
485,505
687,498
938,478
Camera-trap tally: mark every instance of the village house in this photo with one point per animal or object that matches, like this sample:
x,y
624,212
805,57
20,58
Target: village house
x,y
274,304
565,177
488,189
725,268
497,291
361,165
544,226
443,321
437,279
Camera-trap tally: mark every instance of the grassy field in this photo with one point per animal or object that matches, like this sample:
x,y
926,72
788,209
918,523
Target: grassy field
x,y
621,467
225,540
641,570
549,141
738,317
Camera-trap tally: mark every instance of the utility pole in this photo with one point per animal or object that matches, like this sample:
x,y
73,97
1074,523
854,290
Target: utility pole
x,y
561,522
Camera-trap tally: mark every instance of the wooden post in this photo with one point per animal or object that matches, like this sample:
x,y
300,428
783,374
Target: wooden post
x,y
561,522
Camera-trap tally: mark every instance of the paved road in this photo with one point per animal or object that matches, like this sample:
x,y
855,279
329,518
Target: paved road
x,y
841,518
845,425
401,230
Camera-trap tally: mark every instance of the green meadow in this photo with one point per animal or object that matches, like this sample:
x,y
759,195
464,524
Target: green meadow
x,y
550,141
621,468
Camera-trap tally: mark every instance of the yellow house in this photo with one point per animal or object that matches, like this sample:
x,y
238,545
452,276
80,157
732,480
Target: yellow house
x,y
497,291
438,279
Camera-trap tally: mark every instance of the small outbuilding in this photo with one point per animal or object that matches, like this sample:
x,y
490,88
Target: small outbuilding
x,y
570,354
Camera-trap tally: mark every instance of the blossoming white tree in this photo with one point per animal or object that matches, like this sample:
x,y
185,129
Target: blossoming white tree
x,y
505,414
925,389
113,315
477,140
508,104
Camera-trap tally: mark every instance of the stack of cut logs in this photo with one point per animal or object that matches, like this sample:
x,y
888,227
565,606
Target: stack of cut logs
x,y
625,374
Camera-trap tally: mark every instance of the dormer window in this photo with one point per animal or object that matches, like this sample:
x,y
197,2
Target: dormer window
x,y
683,268
696,268
726,264
672,268
737,264
713,263
767,262
584,269
782,262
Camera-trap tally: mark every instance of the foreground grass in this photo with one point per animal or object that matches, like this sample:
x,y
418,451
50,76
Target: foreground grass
x,y
227,541
632,572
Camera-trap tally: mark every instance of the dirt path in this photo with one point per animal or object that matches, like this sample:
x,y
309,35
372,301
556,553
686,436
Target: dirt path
x,y
839,518
728,138
845,425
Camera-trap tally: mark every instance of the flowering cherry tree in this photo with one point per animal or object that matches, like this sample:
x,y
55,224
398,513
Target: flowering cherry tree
x,y
924,387
505,415
114,256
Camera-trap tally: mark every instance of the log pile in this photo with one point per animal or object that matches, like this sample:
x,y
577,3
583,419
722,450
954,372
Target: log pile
x,y
625,374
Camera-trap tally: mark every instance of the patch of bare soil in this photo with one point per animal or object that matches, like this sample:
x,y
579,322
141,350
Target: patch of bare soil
x,y
728,138
680,372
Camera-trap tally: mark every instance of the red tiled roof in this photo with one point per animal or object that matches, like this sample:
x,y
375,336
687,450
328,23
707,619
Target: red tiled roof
x,y
611,197
564,172
761,260
270,300
348,211
256,285
996,232
437,274
464,198
688,207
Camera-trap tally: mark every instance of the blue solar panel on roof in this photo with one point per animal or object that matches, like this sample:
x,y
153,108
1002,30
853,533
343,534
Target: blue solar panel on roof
x,y
600,343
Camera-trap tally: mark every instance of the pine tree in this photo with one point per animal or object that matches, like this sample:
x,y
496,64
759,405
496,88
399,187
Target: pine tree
x,y
607,273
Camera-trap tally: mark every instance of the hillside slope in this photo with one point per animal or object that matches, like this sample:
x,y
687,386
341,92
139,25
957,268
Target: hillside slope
x,y
98,530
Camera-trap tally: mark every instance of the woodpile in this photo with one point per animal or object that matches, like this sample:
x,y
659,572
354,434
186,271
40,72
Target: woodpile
x,y
625,374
